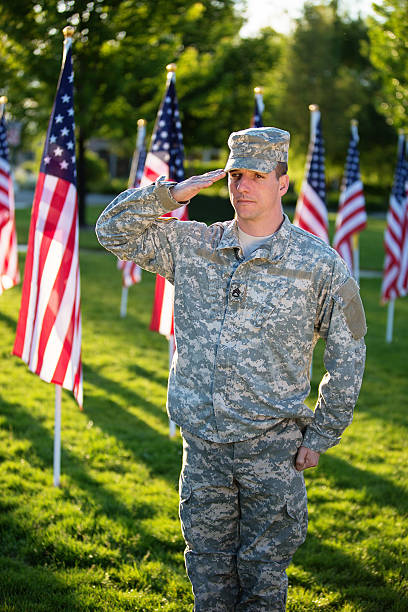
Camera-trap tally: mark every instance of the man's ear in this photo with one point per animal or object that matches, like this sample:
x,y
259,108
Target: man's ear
x,y
283,184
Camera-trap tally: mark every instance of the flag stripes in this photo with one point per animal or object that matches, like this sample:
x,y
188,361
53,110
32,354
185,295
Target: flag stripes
x,y
393,284
351,217
165,158
131,273
48,336
162,315
9,273
311,211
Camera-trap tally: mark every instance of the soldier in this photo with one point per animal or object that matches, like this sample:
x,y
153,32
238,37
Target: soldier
x,y
252,297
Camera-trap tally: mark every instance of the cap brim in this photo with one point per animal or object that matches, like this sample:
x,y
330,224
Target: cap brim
x,y
250,163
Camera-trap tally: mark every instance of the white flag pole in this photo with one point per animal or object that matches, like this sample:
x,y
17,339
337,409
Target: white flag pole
x,y
356,258
355,237
258,91
390,320
123,301
57,436
172,347
68,32
314,119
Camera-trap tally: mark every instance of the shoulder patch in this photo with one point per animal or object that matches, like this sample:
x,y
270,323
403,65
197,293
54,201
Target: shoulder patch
x,y
353,308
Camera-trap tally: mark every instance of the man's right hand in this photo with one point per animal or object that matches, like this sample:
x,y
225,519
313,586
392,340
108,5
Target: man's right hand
x,y
190,187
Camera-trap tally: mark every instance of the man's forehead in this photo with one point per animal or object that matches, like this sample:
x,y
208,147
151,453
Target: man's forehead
x,y
246,171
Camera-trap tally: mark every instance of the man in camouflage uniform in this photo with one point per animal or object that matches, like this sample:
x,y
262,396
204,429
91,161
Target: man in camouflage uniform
x,y
252,297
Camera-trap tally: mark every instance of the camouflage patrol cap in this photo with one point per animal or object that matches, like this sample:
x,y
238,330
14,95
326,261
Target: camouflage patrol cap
x,y
257,149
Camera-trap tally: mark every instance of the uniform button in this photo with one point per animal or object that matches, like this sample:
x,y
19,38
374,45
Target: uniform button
x,y
236,292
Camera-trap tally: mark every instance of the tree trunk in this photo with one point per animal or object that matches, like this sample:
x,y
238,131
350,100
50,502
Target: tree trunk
x,y
81,179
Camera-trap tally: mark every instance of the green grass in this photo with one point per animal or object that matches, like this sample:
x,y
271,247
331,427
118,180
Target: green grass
x,y
108,539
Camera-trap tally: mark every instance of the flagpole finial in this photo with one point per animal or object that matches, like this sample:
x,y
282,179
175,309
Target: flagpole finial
x,y
3,99
68,32
171,67
141,122
258,90
313,108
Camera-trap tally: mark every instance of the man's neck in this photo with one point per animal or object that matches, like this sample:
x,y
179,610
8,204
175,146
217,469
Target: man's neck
x,y
257,229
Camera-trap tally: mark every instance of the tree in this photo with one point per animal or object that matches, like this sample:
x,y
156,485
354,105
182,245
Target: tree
x,y
388,53
120,50
323,64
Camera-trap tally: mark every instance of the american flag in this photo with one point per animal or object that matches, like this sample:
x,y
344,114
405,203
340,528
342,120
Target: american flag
x,y
131,272
9,273
165,158
395,242
311,211
351,217
48,335
256,120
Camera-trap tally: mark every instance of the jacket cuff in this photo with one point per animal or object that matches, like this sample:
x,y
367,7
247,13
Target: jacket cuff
x,y
162,192
318,442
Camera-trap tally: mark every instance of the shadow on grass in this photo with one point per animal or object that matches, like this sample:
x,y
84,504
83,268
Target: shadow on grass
x,y
137,370
33,588
146,444
9,321
30,546
380,490
357,583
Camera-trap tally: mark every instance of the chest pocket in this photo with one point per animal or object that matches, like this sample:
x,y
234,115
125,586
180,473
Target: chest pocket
x,y
280,300
199,284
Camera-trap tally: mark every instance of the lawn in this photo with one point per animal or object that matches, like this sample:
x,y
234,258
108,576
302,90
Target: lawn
x,y
108,539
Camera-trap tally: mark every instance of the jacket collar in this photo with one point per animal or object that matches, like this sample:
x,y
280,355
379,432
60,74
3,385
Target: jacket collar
x,y
274,247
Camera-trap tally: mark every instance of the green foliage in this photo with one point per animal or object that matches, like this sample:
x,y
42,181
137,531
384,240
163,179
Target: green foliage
x,y
323,65
109,537
121,49
388,53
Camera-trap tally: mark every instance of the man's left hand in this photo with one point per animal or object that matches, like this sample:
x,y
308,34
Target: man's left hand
x,y
306,458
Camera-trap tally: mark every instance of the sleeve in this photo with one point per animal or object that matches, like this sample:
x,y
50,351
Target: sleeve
x,y
341,322
131,227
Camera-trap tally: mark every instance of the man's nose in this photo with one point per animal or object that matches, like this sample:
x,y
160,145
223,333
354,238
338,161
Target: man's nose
x,y
243,184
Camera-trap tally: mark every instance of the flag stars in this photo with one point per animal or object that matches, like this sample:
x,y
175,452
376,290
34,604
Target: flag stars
x,y
53,139
65,98
59,119
63,165
47,159
70,111
70,145
58,151
64,131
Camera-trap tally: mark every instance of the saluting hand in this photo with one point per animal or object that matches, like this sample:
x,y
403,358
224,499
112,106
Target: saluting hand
x,y
190,187
306,458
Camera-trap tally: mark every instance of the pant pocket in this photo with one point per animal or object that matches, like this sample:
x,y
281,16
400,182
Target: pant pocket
x,y
296,509
184,513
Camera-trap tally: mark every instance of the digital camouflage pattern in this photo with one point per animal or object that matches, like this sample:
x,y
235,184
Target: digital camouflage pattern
x,y
246,329
227,535
258,149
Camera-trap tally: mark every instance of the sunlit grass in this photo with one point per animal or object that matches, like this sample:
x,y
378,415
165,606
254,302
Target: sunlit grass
x,y
109,539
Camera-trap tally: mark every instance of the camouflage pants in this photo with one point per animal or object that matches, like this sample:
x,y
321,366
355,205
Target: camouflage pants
x,y
243,513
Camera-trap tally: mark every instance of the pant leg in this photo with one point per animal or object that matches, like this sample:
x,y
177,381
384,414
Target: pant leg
x,y
273,521
209,518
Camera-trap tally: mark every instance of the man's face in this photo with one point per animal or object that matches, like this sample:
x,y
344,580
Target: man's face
x,y
256,196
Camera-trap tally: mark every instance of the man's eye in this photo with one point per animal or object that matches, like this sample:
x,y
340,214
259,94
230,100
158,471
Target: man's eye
x,y
259,176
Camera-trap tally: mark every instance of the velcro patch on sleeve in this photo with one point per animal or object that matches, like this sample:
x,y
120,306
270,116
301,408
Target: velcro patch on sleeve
x,y
353,308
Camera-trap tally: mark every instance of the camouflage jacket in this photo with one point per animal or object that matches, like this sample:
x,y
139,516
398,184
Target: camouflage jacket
x,y
246,329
